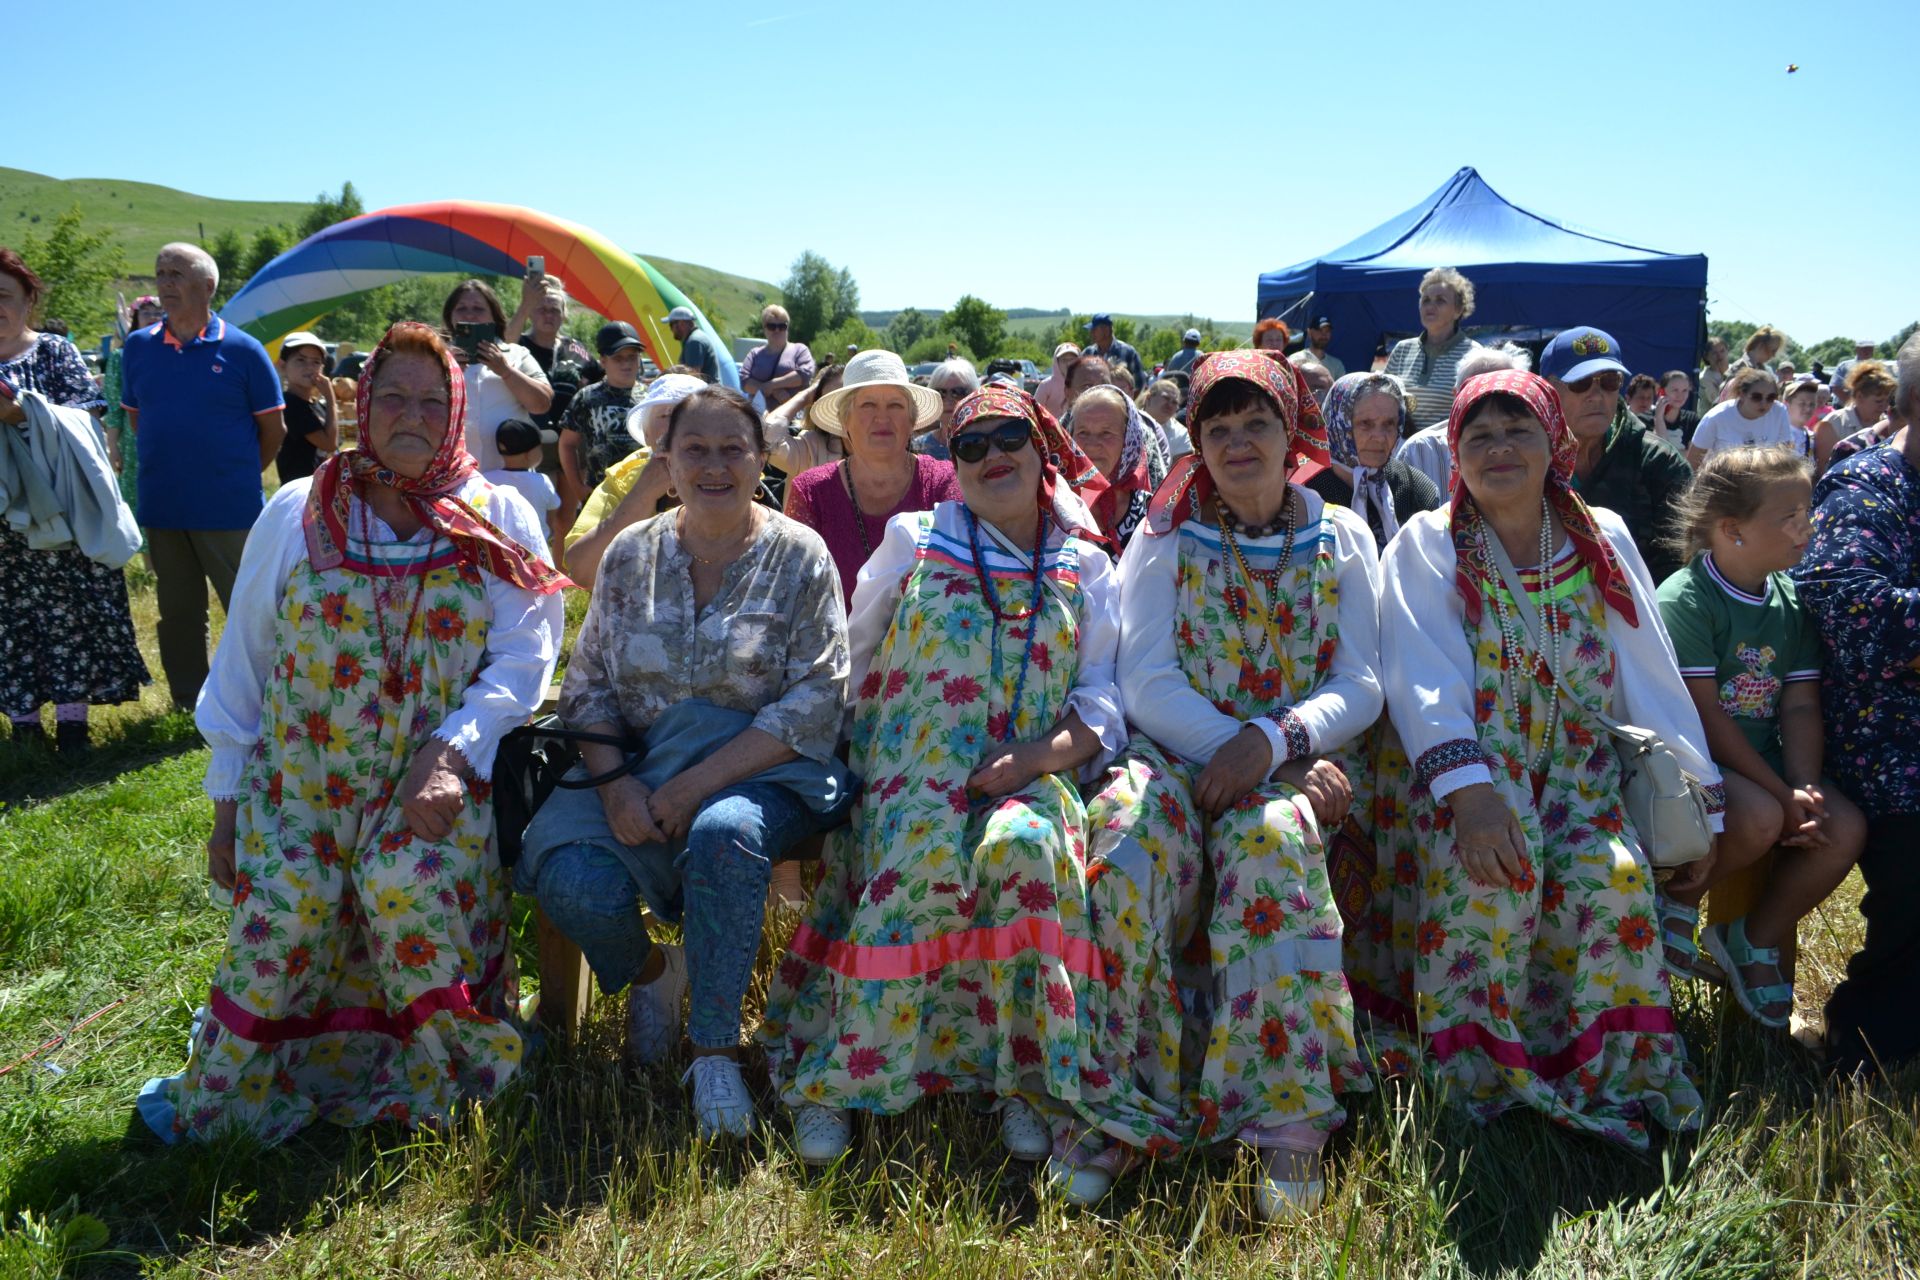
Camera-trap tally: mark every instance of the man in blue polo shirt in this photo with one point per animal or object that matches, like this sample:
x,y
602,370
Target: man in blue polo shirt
x,y
203,400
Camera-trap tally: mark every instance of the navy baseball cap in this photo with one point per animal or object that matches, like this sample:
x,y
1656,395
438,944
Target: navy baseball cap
x,y
615,335
1320,322
1576,353
1100,318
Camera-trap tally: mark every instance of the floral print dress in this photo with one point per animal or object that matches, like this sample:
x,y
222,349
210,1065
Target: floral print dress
x,y
1230,1014
66,632
366,975
1548,992
948,948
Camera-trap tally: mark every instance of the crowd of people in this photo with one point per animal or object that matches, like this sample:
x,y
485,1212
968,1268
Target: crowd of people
x,y
1185,752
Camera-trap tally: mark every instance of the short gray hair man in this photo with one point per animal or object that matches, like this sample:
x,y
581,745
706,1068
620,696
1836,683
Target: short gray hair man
x,y
194,255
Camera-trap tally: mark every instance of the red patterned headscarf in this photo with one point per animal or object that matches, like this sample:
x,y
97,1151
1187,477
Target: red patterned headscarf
x,y
1060,457
433,495
1471,574
1281,382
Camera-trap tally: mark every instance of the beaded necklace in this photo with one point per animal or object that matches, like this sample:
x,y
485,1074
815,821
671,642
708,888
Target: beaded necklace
x,y
999,616
1238,601
859,517
391,685
1513,644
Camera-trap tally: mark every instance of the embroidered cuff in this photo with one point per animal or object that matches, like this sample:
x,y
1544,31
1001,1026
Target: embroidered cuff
x,y
1295,740
1456,754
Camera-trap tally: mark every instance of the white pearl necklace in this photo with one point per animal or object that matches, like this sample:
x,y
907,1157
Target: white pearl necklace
x,y
1513,641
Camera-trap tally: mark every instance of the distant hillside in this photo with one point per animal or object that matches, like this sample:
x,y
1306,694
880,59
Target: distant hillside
x,y
142,215
1032,322
145,216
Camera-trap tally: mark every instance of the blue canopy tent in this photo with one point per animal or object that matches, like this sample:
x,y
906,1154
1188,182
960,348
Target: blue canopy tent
x,y
1528,272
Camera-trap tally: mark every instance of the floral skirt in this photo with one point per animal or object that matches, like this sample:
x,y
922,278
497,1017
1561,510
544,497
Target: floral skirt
x,y
935,974
1225,1012
66,634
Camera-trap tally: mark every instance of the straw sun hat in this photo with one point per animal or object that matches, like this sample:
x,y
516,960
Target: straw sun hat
x,y
871,368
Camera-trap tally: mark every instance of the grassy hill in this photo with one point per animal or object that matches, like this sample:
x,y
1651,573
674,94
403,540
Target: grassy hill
x,y
142,215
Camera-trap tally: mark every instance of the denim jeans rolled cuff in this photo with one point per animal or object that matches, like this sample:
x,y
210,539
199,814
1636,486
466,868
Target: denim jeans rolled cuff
x,y
713,883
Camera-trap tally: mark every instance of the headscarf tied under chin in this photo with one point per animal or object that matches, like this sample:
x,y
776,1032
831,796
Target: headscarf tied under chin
x,y
433,494
1471,576
1141,468
1188,485
1060,458
1369,483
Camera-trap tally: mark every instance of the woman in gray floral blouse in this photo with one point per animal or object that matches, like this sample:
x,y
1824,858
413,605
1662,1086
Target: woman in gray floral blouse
x,y
716,635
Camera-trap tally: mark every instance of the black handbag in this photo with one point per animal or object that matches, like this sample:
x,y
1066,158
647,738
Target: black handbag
x,y
531,761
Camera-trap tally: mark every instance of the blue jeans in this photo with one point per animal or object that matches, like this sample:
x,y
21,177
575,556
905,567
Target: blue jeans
x,y
714,882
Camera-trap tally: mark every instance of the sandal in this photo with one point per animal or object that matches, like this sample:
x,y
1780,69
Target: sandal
x,y
1678,924
1727,944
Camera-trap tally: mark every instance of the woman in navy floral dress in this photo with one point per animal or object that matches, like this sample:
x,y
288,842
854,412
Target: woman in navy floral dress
x,y
66,635
1860,578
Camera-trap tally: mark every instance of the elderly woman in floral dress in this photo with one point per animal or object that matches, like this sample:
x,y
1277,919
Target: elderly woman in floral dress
x,y
948,948
391,621
1525,943
1248,651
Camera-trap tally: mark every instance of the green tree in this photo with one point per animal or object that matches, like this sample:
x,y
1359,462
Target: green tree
x,y
1891,347
229,253
819,298
327,210
909,327
268,244
852,331
934,347
978,326
80,268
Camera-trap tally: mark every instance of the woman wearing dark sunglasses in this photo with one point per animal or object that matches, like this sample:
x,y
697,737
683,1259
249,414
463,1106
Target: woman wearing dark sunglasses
x,y
1749,414
949,947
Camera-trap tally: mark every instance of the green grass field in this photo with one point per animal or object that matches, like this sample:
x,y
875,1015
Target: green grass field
x,y
107,941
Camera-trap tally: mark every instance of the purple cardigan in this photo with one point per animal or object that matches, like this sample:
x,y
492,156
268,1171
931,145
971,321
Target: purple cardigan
x,y
818,499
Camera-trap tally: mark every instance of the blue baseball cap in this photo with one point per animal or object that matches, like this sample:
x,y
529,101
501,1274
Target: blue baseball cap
x,y
1577,353
1099,318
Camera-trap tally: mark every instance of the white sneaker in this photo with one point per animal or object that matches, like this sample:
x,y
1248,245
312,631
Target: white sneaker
x,y
1280,1199
1082,1185
653,1011
721,1104
821,1135
1022,1130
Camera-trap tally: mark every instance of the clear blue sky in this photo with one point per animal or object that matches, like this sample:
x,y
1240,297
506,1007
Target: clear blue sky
x,y
1111,156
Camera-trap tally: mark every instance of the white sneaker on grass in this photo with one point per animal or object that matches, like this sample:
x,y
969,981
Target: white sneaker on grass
x,y
1290,1185
721,1103
1022,1130
821,1135
653,1011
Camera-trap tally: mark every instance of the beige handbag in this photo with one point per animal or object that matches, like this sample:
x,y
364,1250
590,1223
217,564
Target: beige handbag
x,y
1666,804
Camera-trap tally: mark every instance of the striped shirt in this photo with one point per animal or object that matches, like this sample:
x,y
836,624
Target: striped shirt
x,y
1428,378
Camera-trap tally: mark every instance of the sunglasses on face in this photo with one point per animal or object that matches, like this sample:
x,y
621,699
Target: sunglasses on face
x,y
953,393
1608,382
770,328
1763,397
972,446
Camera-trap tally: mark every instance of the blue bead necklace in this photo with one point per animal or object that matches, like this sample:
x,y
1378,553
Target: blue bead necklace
x,y
1030,617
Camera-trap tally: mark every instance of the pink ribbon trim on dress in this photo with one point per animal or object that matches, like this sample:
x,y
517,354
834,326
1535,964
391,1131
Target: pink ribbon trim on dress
x,y
882,963
1645,1019
401,1024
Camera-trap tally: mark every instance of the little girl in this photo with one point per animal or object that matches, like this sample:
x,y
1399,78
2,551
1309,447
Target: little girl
x,y
1751,660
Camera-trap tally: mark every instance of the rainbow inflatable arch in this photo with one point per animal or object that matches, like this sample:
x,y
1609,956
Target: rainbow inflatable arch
x,y
463,237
